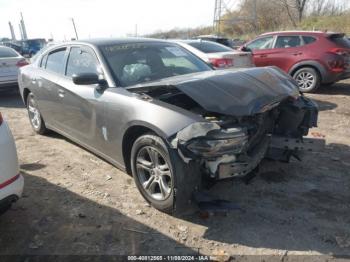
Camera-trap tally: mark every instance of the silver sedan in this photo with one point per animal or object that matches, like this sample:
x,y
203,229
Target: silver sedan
x,y
10,61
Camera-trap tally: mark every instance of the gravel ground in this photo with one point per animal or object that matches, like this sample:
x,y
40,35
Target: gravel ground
x,y
76,203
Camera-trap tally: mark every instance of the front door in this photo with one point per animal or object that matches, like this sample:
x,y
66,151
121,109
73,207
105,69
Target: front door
x,y
262,48
81,107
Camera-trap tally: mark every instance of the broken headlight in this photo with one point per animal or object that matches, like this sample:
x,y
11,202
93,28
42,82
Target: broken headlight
x,y
230,141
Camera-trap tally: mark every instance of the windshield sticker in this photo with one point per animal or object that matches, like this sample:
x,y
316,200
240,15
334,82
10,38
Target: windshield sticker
x,y
119,47
176,51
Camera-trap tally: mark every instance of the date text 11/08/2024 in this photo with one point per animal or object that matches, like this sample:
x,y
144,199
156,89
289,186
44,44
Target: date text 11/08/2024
x,y
169,258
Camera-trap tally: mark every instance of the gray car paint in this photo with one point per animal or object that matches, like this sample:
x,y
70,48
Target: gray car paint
x,y
99,121
240,92
82,112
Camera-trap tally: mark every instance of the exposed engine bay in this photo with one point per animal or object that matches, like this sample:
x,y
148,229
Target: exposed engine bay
x,y
241,125
234,146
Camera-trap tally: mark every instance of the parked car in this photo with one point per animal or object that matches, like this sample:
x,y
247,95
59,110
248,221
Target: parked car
x,y
218,55
217,39
312,58
11,182
13,45
160,113
10,61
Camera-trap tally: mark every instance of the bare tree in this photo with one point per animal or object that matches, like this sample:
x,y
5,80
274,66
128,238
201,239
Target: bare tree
x,y
300,7
294,8
327,7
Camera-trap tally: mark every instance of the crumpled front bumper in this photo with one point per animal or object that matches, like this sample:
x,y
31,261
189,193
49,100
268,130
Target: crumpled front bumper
x,y
283,142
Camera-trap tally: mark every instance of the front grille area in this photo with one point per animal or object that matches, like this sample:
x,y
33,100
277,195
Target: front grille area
x,y
262,126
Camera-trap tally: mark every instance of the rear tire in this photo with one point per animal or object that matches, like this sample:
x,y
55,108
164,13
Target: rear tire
x,y
35,118
308,79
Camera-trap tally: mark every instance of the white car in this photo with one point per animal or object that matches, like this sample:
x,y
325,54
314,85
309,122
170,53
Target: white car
x,y
218,55
10,61
11,181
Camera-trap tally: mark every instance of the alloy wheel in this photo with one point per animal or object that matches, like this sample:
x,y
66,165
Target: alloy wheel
x,y
34,114
154,173
305,80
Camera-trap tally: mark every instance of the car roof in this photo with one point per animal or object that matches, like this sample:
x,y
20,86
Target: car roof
x,y
6,47
299,32
188,41
212,36
113,41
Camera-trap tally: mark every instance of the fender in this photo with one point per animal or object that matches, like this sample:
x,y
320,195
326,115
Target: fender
x,y
155,129
313,63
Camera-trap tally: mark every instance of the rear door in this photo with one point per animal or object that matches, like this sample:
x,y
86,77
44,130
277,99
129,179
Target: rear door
x,y
262,49
81,110
287,51
50,69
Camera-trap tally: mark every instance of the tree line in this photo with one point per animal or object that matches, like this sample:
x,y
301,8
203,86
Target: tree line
x,y
252,17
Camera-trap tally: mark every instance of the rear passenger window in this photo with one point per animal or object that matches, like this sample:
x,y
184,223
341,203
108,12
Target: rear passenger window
x,y
308,39
287,41
81,61
7,52
55,61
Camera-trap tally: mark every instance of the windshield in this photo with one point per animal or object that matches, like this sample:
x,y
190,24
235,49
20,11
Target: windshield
x,y
341,41
209,47
137,63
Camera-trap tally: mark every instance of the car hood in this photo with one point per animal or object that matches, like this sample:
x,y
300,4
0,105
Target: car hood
x,y
237,92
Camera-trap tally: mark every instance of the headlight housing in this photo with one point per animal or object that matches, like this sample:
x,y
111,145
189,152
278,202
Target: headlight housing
x,y
230,141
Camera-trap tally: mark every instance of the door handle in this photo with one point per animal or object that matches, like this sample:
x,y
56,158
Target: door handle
x,y
298,53
262,56
61,93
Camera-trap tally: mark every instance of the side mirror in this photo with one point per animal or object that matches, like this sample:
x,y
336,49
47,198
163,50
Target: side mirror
x,y
85,79
245,49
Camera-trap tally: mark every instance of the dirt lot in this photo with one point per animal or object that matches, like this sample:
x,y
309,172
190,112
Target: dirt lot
x,y
76,203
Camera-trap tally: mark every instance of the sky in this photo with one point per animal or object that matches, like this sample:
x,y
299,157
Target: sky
x,y
102,18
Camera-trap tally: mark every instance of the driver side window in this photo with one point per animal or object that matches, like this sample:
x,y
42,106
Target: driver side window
x,y
81,61
261,43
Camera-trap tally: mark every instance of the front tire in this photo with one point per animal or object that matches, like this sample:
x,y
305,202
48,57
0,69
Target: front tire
x,y
35,118
308,79
153,171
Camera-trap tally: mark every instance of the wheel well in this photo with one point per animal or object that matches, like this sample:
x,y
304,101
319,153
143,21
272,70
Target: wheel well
x,y
310,66
26,92
129,138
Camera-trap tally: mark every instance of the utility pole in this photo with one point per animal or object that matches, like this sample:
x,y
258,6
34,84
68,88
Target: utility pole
x,y
75,29
20,31
226,6
24,31
217,16
13,36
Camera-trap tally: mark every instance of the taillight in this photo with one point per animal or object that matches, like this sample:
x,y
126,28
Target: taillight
x,y
339,51
339,61
21,63
1,119
221,62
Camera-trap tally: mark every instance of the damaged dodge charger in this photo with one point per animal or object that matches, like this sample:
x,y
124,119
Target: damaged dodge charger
x,y
163,115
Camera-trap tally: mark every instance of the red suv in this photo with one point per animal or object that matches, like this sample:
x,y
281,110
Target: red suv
x,y
311,58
